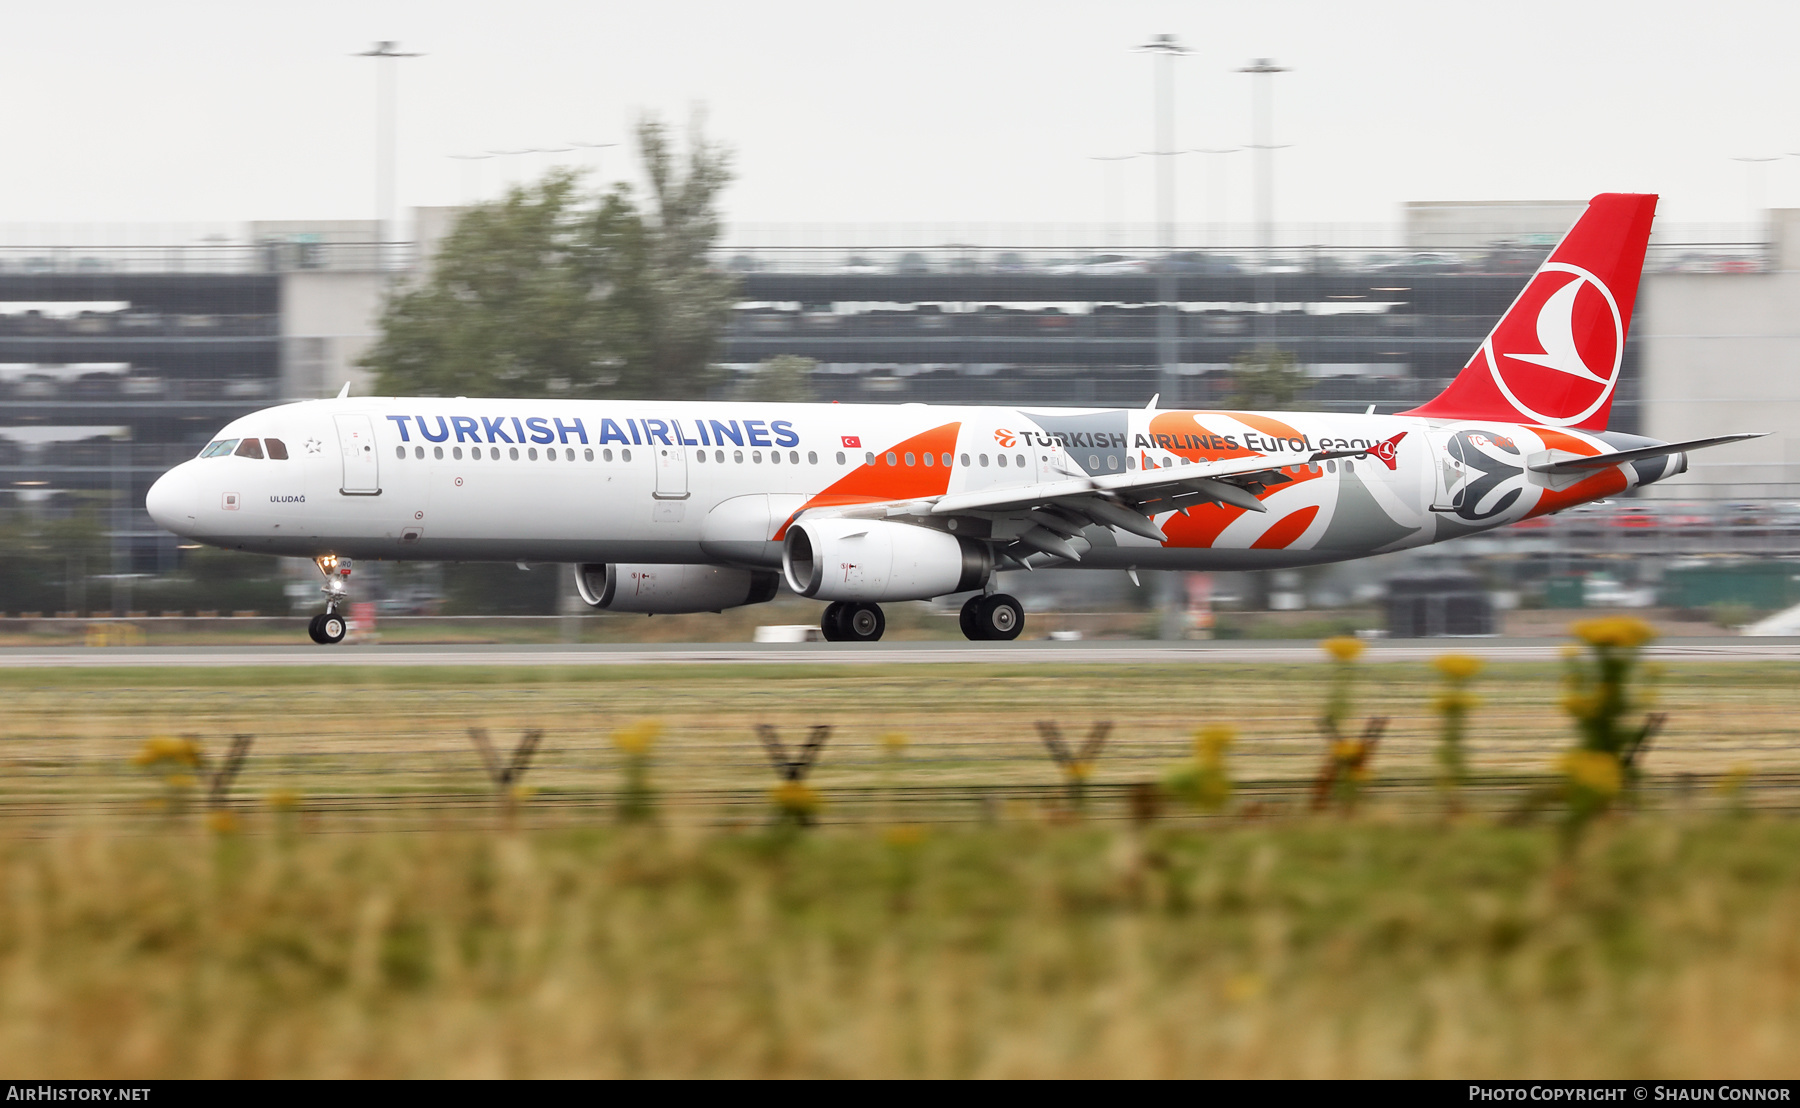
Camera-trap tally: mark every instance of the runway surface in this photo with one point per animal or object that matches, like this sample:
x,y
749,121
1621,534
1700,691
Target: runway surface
x,y
849,654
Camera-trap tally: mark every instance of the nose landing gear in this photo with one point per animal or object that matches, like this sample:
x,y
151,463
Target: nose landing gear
x,y
329,626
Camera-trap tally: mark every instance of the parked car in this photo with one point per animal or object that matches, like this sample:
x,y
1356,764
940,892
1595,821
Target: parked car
x,y
1104,265
1202,263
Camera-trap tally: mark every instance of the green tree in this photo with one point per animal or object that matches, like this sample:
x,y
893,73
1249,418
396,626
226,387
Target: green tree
x,y
49,559
553,291
786,378
1266,379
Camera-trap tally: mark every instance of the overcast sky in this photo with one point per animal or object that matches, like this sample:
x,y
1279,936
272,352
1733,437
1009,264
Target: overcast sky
x,y
924,111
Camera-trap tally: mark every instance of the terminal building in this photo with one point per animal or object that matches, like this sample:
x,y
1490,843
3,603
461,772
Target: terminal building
x,y
116,362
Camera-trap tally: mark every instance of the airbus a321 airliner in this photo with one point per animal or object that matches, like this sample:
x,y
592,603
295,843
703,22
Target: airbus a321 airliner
x,y
699,506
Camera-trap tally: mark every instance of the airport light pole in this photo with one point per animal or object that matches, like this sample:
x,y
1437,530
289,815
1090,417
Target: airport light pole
x,y
1110,192
1168,349
1214,190
1166,50
384,54
1262,127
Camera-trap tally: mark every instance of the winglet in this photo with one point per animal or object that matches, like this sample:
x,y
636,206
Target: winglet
x,y
345,391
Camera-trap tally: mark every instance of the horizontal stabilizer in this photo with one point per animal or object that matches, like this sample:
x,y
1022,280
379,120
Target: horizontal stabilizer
x,y
1601,461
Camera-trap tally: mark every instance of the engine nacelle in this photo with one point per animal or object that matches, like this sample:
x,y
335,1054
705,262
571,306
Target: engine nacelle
x,y
872,559
672,589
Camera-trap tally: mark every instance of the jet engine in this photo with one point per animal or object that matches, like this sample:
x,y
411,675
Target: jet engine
x,y
674,588
863,559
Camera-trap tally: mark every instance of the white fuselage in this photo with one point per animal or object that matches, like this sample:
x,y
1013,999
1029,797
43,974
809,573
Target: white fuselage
x,y
717,483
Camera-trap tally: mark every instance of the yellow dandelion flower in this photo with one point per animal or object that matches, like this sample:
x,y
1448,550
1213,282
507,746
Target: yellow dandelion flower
x,y
1347,750
1077,769
181,781
283,800
1621,632
1211,741
221,823
894,742
1343,648
639,737
796,798
1594,770
167,748
1457,667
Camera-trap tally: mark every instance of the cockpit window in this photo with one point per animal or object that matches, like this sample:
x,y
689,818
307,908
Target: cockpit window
x,y
249,448
219,448
277,449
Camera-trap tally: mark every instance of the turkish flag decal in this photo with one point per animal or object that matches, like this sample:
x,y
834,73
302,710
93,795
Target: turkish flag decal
x,y
853,442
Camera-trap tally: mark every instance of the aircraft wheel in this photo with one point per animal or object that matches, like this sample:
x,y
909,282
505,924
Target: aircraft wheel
x,y
970,619
831,624
312,629
1000,617
863,623
332,628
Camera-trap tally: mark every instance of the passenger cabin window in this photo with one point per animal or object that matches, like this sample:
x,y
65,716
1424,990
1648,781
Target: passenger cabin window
x,y
249,448
277,449
840,457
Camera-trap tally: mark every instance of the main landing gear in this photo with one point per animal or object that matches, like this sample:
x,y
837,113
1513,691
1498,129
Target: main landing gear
x,y
997,616
850,621
329,627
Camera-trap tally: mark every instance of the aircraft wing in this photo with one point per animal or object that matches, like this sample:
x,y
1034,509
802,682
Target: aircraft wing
x,y
1057,510
1613,458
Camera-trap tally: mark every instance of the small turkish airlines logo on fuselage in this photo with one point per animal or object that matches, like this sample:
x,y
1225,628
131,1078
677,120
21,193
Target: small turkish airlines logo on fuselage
x,y
1005,438
1556,354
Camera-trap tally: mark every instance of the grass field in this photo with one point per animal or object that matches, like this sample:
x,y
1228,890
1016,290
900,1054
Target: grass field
x,y
390,916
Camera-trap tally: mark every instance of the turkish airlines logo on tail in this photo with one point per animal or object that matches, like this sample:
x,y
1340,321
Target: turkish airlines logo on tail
x,y
1556,354
1389,451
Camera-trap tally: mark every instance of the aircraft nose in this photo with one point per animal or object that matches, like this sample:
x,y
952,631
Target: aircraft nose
x,y
171,500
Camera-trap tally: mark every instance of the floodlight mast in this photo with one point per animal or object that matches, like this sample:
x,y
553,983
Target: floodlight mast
x,y
1168,347
385,223
1263,130
1166,50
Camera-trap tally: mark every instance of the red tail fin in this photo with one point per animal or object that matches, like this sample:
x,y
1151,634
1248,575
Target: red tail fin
x,y
1554,356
